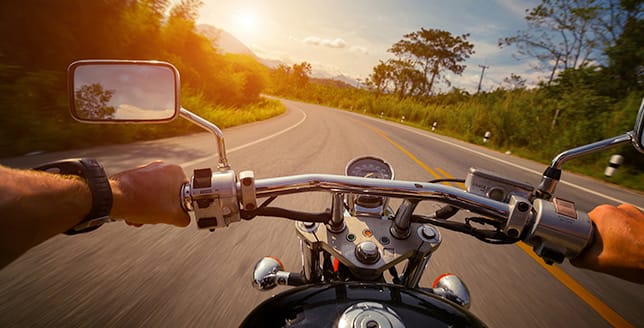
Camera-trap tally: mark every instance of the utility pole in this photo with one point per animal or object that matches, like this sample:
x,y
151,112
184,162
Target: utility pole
x,y
483,68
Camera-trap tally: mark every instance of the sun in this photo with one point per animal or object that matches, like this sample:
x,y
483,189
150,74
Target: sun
x,y
246,22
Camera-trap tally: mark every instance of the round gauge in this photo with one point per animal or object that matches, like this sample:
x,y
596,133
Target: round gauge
x,y
370,167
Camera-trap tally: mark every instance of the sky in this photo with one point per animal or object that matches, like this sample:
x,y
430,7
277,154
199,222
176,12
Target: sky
x,y
349,37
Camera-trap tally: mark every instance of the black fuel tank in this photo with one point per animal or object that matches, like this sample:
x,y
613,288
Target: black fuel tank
x,y
323,305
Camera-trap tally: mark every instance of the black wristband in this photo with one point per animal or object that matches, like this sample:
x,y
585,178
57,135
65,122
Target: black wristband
x,y
99,186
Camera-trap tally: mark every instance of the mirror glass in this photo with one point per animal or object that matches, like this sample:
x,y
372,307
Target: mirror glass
x,y
124,91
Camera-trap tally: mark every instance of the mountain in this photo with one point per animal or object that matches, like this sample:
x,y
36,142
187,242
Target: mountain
x,y
343,79
224,41
227,43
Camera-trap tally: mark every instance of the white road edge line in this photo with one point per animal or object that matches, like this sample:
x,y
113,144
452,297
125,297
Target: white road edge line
x,y
423,134
232,150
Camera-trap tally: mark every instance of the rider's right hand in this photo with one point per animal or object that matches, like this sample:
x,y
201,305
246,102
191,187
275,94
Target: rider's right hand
x,y
618,247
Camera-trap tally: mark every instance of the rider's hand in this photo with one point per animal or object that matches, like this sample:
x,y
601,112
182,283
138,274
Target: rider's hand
x,y
618,248
149,194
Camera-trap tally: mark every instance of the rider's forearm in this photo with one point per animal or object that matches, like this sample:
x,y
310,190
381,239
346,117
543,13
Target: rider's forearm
x,y
35,206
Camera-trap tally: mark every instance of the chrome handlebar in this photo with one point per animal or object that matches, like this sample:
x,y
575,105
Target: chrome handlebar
x,y
379,187
555,229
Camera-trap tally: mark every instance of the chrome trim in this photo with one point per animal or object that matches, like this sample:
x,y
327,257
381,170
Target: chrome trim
x,y
555,234
638,129
414,270
223,164
400,227
391,168
519,216
567,155
379,187
370,314
311,265
548,184
70,87
265,273
186,197
337,214
454,289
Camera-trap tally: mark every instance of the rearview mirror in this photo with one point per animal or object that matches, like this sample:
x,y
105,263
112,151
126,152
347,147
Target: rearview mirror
x,y
638,131
120,91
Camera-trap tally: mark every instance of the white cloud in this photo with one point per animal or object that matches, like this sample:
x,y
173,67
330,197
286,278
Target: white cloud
x,y
316,41
312,40
360,50
515,6
483,49
337,43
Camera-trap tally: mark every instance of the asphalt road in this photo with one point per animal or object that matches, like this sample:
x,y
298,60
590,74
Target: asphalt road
x,y
159,276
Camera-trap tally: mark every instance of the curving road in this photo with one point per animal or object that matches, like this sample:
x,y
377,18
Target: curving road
x,y
160,276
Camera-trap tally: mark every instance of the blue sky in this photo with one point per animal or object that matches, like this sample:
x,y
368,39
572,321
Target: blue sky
x,y
349,37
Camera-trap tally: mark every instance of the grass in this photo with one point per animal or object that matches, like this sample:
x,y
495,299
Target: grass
x,y
593,168
27,132
468,121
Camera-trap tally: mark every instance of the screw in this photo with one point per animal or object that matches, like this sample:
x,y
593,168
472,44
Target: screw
x,y
513,233
428,232
523,207
372,324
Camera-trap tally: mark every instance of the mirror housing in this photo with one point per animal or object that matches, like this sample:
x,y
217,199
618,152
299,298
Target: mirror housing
x,y
123,91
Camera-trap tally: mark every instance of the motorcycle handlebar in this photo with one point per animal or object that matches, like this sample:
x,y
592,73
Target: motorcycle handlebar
x,y
555,229
380,187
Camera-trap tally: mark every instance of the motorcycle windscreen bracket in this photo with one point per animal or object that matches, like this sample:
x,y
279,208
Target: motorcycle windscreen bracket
x,y
214,198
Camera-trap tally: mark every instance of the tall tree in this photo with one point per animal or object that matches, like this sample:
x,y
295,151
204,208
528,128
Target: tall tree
x,y
432,51
91,102
565,34
407,80
380,79
301,73
626,55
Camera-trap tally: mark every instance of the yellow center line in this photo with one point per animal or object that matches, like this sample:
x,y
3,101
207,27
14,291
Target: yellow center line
x,y
612,317
405,151
449,176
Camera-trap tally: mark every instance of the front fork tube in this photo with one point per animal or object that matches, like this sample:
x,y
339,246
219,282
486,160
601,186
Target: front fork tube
x,y
414,270
311,265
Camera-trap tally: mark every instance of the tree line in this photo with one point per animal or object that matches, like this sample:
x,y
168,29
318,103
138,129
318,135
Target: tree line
x,y
591,49
41,38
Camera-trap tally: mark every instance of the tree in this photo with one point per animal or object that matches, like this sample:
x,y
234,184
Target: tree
x,y
431,52
287,79
565,34
301,73
626,56
407,80
381,77
513,81
90,102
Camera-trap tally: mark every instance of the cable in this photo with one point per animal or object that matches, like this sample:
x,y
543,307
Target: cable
x,y
321,217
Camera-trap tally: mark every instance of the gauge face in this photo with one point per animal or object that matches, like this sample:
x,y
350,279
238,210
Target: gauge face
x,y
370,167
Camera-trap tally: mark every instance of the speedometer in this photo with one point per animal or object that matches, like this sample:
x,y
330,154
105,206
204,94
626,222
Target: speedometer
x,y
370,167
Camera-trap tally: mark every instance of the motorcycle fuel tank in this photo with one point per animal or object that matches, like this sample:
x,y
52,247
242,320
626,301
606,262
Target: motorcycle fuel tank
x,y
358,305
